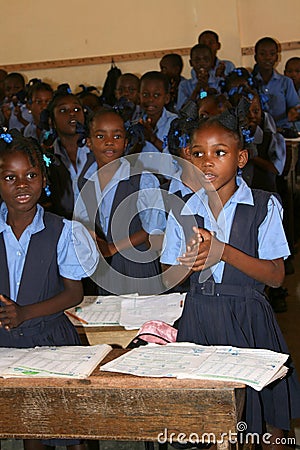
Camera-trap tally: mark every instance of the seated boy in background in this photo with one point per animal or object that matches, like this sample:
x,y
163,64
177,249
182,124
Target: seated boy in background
x,y
171,65
222,67
201,61
154,95
279,91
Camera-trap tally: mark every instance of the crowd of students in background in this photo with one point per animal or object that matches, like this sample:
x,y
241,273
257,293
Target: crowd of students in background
x,y
148,105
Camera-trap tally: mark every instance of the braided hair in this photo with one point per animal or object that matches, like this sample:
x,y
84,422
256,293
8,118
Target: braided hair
x,y
14,141
234,120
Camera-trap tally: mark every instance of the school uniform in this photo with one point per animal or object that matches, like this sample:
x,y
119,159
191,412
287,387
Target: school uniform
x,y
226,307
280,94
30,131
130,202
175,195
229,66
187,87
270,146
13,120
63,178
161,163
31,271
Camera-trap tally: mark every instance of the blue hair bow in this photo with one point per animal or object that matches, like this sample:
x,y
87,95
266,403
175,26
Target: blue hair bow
x,y
7,137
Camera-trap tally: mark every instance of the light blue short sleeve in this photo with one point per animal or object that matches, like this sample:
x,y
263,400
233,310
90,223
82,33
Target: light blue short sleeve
x,y
150,205
77,252
272,242
174,244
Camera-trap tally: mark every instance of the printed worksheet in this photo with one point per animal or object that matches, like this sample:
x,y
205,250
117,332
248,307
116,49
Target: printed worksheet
x,y
97,311
135,311
253,367
66,361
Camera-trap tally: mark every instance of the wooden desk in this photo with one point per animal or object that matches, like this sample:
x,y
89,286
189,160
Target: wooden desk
x,y
109,406
112,335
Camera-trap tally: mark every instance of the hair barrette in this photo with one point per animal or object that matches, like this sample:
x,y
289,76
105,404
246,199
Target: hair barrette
x,y
47,160
7,137
246,133
202,94
165,142
183,141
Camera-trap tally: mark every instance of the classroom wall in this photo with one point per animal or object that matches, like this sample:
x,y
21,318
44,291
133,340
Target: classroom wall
x,y
273,18
79,28
43,30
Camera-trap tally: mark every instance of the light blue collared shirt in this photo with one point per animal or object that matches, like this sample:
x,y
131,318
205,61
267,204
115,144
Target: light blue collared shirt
x,y
282,96
150,156
13,120
77,255
176,185
186,87
150,204
277,147
272,241
82,154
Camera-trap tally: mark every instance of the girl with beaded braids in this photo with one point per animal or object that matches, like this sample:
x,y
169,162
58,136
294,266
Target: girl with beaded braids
x,y
39,95
64,118
237,247
43,258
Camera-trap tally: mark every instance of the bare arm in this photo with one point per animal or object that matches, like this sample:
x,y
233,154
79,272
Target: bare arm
x,y
12,314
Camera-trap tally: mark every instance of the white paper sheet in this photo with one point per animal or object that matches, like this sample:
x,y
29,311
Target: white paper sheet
x,y
138,310
254,367
65,361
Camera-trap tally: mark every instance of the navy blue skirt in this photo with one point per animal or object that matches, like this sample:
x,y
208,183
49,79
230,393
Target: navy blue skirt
x,y
247,322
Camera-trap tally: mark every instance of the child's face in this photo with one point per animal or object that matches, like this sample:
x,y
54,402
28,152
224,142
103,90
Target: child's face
x,y
201,59
107,138
210,40
40,101
168,69
128,87
215,151
292,70
67,112
12,86
266,56
254,116
20,183
153,98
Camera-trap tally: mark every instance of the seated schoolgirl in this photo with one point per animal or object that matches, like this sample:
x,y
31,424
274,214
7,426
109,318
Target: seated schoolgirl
x,y
71,155
43,259
123,207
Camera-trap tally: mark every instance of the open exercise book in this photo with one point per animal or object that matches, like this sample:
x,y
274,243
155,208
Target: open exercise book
x,y
67,361
130,311
254,367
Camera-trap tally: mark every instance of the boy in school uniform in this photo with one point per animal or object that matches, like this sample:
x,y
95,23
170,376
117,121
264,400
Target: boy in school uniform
x,y
220,67
154,95
282,99
201,61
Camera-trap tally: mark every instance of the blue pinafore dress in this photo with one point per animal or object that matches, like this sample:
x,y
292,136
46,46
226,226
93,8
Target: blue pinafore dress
x,y
40,280
237,313
136,269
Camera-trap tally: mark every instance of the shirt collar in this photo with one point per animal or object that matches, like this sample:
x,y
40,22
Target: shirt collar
x,y
36,225
198,202
122,173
